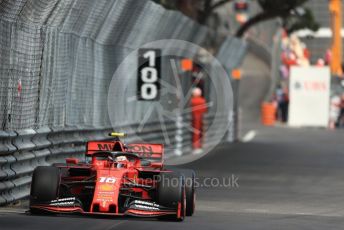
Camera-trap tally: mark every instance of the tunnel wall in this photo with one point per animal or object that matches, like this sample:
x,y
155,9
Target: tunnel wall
x,y
57,59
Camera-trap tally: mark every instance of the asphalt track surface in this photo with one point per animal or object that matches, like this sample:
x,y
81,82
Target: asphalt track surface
x,y
288,179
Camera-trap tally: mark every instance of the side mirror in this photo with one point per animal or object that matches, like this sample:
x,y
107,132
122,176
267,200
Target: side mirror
x,y
72,161
145,163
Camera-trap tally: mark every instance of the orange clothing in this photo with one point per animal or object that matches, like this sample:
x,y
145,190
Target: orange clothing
x,y
198,108
198,105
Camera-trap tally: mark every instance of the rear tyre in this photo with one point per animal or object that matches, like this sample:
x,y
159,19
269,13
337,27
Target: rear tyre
x,y
45,185
172,194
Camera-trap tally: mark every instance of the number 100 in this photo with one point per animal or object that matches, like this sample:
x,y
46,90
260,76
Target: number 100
x,y
149,75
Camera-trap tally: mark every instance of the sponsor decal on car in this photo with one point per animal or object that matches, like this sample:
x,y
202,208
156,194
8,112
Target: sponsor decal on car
x,y
69,201
106,187
146,206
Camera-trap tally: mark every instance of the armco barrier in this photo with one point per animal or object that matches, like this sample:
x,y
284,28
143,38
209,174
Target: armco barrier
x,y
25,162
65,142
6,159
24,150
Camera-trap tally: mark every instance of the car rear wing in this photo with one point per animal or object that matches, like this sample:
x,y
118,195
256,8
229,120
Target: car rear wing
x,y
151,152
97,146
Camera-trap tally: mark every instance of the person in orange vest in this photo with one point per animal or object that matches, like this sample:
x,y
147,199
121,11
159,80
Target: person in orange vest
x,y
198,108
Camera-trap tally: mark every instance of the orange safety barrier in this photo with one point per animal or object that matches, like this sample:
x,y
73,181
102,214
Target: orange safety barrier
x,y
269,114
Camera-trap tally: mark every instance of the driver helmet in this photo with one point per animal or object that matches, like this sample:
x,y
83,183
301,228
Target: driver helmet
x,y
121,161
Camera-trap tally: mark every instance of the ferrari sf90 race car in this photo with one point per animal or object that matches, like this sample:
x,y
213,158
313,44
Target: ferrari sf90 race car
x,y
115,179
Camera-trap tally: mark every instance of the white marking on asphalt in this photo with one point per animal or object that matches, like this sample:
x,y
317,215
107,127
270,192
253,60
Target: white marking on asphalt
x,y
115,225
249,136
209,207
10,211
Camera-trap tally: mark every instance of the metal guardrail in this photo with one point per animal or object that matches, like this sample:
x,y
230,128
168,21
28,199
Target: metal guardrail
x,y
22,151
6,159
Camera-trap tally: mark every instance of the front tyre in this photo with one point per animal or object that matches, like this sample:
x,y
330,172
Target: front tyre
x,y
172,193
189,190
45,185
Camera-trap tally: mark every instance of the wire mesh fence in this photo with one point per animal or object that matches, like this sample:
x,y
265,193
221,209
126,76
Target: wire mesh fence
x,y
58,57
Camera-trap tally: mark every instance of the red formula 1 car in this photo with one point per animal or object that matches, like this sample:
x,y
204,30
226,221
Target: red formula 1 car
x,y
116,179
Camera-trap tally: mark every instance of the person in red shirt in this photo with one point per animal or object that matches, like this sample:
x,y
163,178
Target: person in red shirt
x,y
198,108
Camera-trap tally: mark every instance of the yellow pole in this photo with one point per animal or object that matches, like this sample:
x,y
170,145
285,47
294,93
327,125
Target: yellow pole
x,y
335,7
